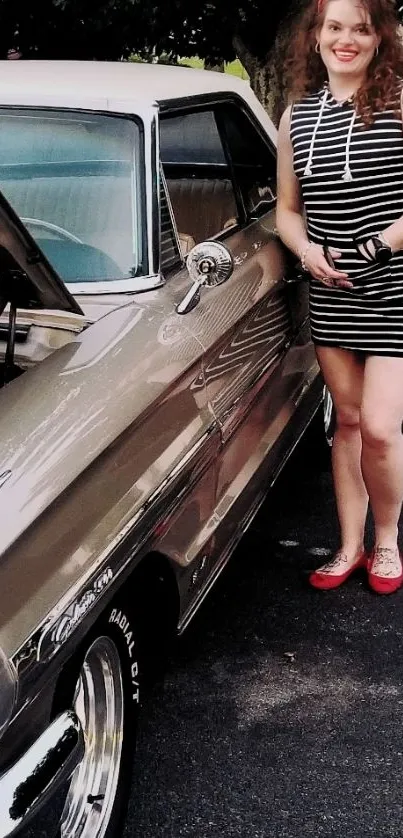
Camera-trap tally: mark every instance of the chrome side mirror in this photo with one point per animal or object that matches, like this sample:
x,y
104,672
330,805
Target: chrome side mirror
x,y
209,264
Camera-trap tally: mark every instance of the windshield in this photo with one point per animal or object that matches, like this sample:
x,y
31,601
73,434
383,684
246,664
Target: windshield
x,y
74,179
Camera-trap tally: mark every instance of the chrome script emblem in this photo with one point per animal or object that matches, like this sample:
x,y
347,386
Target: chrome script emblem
x,y
58,632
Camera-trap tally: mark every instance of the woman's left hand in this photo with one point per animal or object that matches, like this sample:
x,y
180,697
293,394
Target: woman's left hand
x,y
323,268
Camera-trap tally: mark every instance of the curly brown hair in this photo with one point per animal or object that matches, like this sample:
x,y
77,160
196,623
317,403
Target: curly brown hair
x,y
305,72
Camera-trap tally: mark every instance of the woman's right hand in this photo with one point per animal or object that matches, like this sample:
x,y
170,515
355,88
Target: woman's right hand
x,y
318,266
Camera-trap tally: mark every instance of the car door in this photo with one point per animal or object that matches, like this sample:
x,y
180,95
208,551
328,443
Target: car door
x,y
220,174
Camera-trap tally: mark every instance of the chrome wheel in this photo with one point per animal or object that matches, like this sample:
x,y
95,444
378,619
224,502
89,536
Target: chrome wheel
x,y
99,704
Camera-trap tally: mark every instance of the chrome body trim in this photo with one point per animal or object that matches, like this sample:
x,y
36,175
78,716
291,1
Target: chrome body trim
x,y
31,782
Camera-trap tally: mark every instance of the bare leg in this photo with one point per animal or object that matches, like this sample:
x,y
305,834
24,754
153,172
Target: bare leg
x,y
343,372
382,454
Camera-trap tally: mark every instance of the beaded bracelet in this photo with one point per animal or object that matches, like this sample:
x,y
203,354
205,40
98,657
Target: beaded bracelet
x,y
303,256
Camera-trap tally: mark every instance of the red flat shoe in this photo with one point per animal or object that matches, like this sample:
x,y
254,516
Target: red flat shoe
x,y
327,581
384,584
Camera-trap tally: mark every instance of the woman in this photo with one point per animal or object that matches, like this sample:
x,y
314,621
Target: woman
x,y
340,209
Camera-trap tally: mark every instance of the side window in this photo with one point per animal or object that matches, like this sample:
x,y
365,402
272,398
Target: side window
x,y
198,176
253,161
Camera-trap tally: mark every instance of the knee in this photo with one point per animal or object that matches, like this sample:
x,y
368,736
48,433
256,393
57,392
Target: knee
x,y
378,431
347,418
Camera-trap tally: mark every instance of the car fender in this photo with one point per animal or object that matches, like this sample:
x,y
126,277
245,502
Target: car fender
x,y
92,438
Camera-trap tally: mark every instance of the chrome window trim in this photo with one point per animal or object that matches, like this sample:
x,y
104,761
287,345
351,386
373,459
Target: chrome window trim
x,y
152,190
135,196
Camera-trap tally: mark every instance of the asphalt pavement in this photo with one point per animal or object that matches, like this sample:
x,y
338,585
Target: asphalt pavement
x,y
281,715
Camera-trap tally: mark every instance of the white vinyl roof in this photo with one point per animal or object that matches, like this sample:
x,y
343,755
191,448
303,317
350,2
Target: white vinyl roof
x,y
93,84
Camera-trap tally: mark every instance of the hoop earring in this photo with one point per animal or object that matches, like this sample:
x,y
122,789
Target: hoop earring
x,y
376,53
317,47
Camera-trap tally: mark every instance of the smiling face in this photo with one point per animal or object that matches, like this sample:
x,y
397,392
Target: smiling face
x,y
347,39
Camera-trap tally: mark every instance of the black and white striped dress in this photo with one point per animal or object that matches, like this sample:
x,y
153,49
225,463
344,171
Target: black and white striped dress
x,y
352,186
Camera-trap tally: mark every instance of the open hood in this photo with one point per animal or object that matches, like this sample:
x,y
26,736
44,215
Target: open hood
x,y
27,279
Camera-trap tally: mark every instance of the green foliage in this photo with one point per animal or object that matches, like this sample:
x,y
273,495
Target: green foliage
x,y
196,27
235,68
75,29
115,29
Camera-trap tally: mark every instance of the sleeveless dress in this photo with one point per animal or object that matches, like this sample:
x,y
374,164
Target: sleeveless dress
x,y
351,178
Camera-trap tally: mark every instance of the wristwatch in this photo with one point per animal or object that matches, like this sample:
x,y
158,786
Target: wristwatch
x,y
383,250
376,249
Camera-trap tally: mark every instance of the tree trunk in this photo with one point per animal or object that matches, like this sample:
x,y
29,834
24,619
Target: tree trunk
x,y
266,77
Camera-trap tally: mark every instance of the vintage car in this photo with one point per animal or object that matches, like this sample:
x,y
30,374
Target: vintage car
x,y
156,371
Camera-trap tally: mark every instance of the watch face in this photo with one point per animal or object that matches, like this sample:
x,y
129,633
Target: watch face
x,y
382,252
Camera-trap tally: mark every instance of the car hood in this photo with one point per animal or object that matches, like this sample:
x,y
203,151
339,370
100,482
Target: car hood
x,y
27,279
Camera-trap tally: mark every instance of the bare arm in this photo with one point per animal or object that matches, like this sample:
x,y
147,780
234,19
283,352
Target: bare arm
x,y
394,233
290,220
289,217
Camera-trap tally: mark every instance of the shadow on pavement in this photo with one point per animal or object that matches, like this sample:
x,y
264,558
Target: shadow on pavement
x,y
281,715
